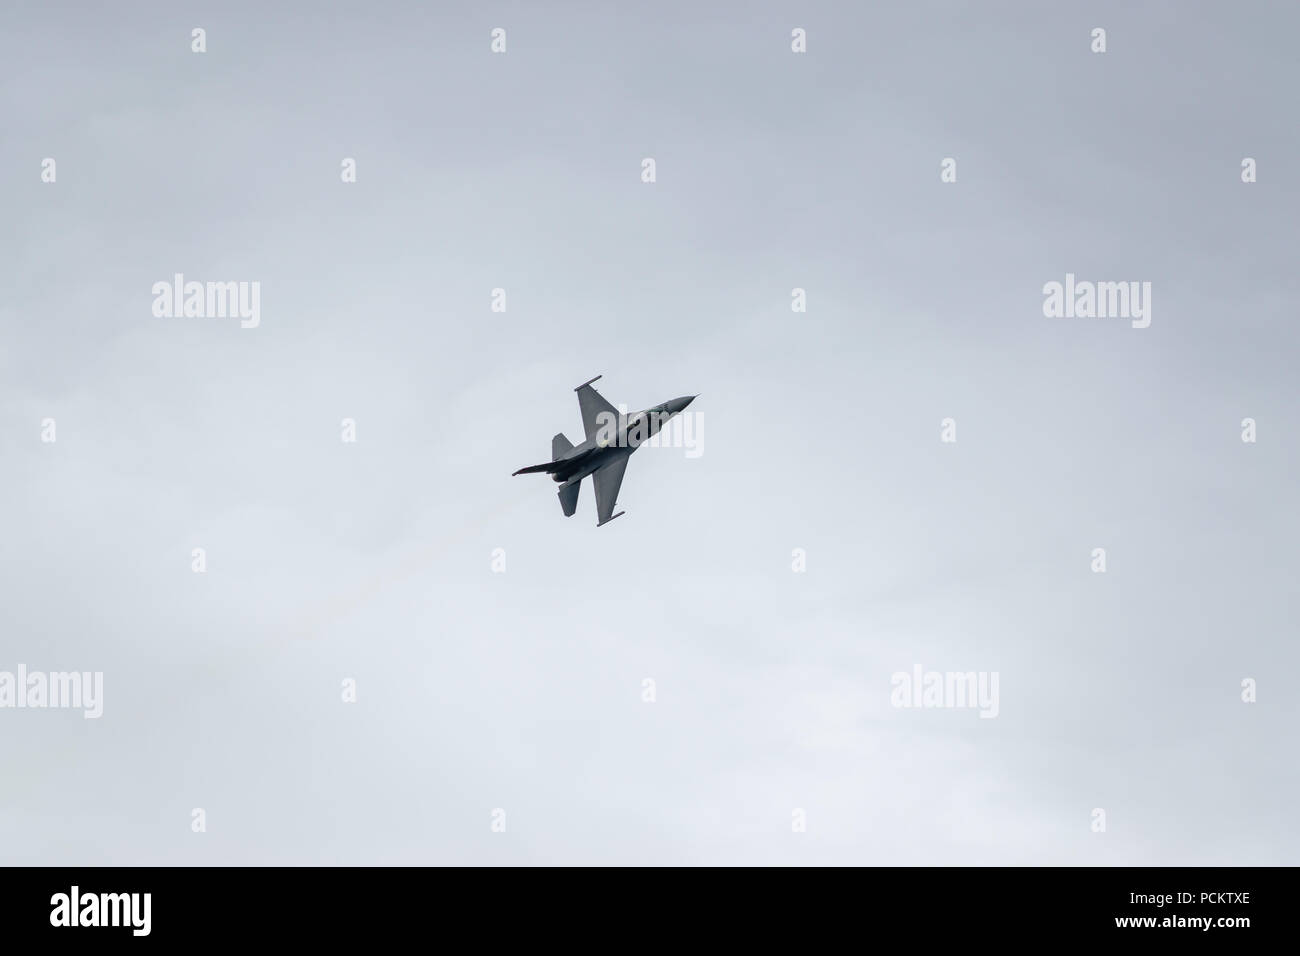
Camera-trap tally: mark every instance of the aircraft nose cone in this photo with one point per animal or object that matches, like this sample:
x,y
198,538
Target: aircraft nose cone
x,y
677,404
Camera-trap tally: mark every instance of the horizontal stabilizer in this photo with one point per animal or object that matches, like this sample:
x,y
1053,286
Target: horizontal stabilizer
x,y
608,520
560,446
569,498
534,469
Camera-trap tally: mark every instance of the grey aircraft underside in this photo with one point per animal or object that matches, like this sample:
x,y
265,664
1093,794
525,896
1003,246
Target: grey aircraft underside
x,y
611,439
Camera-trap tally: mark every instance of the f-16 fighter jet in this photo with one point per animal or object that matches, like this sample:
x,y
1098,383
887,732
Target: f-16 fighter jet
x,y
611,439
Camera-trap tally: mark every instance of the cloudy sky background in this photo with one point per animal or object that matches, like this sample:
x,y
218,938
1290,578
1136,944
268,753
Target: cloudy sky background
x,y
522,690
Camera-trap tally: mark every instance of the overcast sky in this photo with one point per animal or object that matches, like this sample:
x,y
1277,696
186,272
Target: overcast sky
x,y
372,560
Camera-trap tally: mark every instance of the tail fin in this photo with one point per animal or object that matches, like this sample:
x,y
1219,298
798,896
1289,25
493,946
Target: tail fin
x,y
569,495
560,446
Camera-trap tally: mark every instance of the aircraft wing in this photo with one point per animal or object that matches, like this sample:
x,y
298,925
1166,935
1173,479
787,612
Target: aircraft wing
x,y
592,405
608,479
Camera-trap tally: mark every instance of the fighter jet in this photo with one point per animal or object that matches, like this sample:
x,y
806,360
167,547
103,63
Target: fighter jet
x,y
611,439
